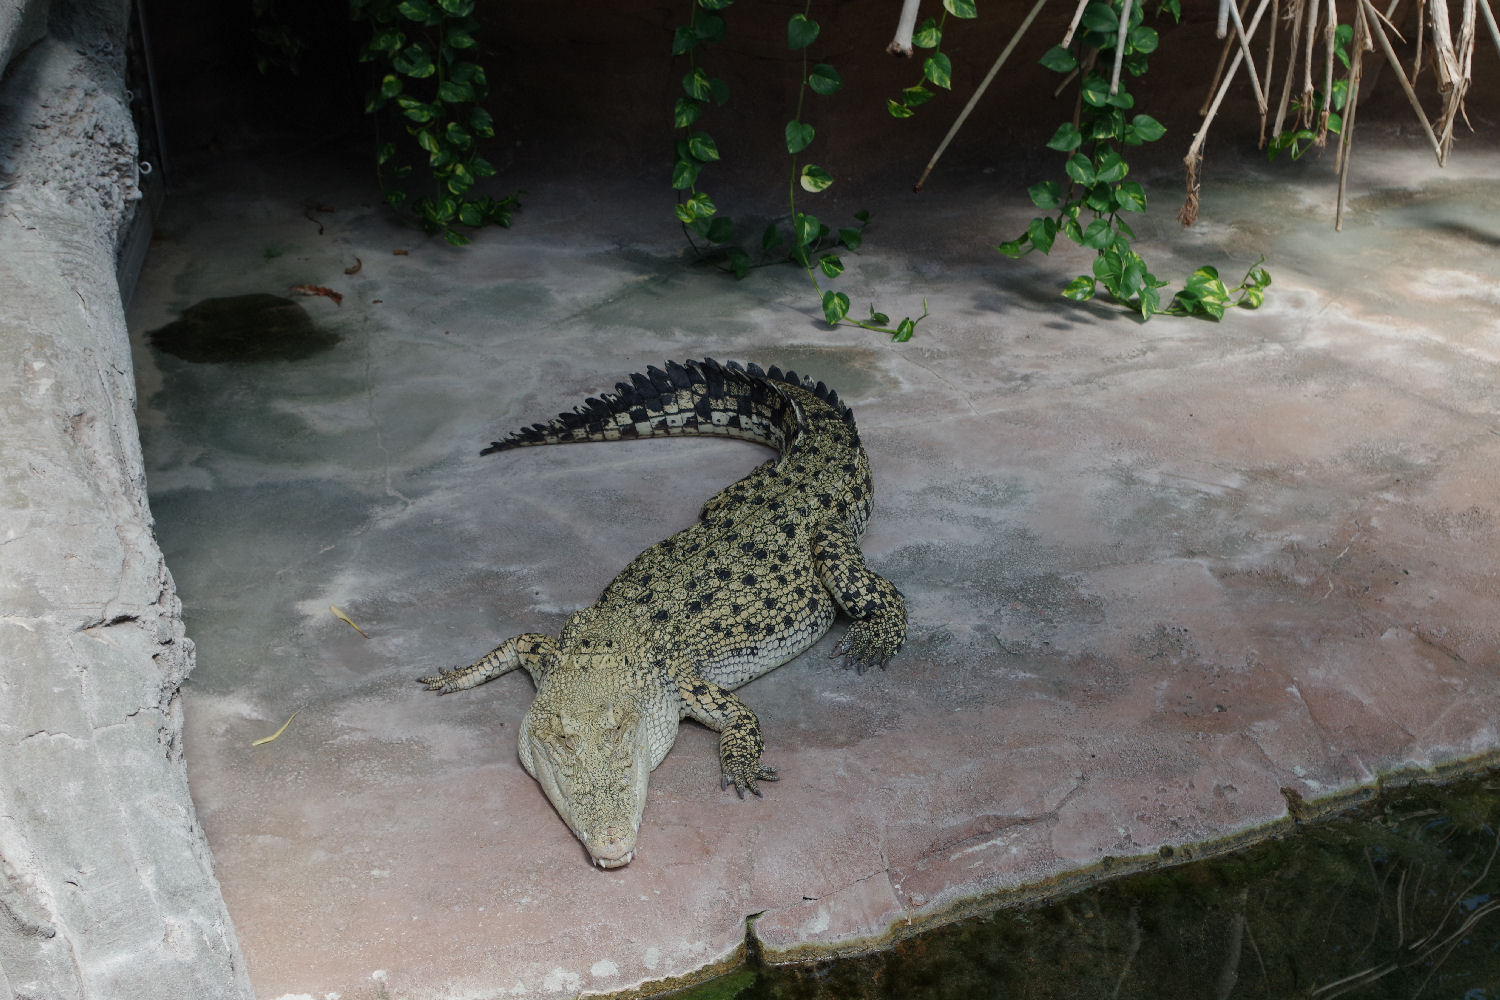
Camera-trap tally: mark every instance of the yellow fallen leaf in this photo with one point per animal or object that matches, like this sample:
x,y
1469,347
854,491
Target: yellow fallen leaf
x,y
346,620
267,739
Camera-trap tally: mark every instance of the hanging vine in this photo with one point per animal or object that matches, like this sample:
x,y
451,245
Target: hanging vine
x,y
806,240
436,91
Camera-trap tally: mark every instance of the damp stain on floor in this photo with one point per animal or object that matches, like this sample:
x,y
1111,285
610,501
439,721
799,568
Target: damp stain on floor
x,y
242,329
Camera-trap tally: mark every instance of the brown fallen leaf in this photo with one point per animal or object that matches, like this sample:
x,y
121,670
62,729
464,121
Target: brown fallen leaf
x,y
337,298
346,620
355,269
307,213
267,739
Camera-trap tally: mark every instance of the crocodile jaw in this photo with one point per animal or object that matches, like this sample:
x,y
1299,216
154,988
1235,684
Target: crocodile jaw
x,y
594,765
619,862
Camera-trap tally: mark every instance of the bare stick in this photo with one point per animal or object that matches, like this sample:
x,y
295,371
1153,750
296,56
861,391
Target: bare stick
x,y
1299,11
1416,59
1223,86
1073,24
901,44
978,93
1442,45
1330,41
1489,19
1114,77
1455,59
1270,64
1239,31
1467,36
1411,94
1188,214
1346,132
1304,115
1223,61
1194,157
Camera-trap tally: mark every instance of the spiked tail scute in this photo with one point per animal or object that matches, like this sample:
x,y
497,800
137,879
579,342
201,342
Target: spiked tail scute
x,y
691,398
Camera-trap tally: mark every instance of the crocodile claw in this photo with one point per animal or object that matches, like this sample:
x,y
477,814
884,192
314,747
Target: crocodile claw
x,y
748,781
442,682
866,646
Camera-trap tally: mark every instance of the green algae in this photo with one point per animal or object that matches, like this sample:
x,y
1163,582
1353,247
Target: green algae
x,y
1398,898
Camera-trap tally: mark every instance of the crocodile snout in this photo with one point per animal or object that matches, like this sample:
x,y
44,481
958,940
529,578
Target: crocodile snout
x,y
614,847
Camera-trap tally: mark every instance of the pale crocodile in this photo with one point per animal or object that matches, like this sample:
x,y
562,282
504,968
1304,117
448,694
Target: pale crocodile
x,y
754,582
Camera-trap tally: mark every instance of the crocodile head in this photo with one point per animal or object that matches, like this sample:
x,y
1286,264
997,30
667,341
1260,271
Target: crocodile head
x,y
588,746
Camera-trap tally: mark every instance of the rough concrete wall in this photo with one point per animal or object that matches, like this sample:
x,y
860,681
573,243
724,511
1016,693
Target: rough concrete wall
x,y
106,885
21,23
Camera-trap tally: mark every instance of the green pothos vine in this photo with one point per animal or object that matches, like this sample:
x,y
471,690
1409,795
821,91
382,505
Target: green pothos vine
x,y
1091,209
937,68
422,49
807,241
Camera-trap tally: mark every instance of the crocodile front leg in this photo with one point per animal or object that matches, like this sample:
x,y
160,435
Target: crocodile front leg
x,y
878,610
740,743
530,650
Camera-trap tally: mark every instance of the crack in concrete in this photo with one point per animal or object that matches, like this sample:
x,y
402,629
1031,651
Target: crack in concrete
x,y
123,618
967,397
374,418
849,885
1271,765
48,734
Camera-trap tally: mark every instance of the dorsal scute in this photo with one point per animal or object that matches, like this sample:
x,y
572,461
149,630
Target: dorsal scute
x,y
819,389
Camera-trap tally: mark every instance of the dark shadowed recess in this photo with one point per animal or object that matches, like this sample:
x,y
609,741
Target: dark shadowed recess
x,y
1397,899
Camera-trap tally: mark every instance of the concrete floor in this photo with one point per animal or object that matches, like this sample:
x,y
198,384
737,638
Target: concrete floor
x,y
1157,573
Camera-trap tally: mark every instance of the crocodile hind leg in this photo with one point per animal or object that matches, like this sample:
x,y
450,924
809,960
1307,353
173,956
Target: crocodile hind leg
x,y
878,610
740,743
529,649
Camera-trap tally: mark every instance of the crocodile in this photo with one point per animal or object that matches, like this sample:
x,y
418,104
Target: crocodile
x,y
755,581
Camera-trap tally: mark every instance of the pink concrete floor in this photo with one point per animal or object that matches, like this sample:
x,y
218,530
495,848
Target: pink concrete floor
x,y
1157,573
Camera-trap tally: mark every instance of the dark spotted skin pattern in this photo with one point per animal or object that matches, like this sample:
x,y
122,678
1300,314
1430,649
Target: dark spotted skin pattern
x,y
754,582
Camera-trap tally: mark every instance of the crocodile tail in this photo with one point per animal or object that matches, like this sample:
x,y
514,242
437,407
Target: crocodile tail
x,y
691,398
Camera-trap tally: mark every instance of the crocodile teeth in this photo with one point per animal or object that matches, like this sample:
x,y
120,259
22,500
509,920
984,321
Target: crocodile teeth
x,y
616,863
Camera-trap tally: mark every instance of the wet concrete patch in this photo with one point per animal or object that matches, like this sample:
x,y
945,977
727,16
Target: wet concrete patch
x,y
239,329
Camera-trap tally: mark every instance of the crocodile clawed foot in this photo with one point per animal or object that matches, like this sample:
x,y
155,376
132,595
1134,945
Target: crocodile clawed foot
x,y
438,682
748,780
867,644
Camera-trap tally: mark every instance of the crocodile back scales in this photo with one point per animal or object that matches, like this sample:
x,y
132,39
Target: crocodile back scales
x,y
755,580
736,593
